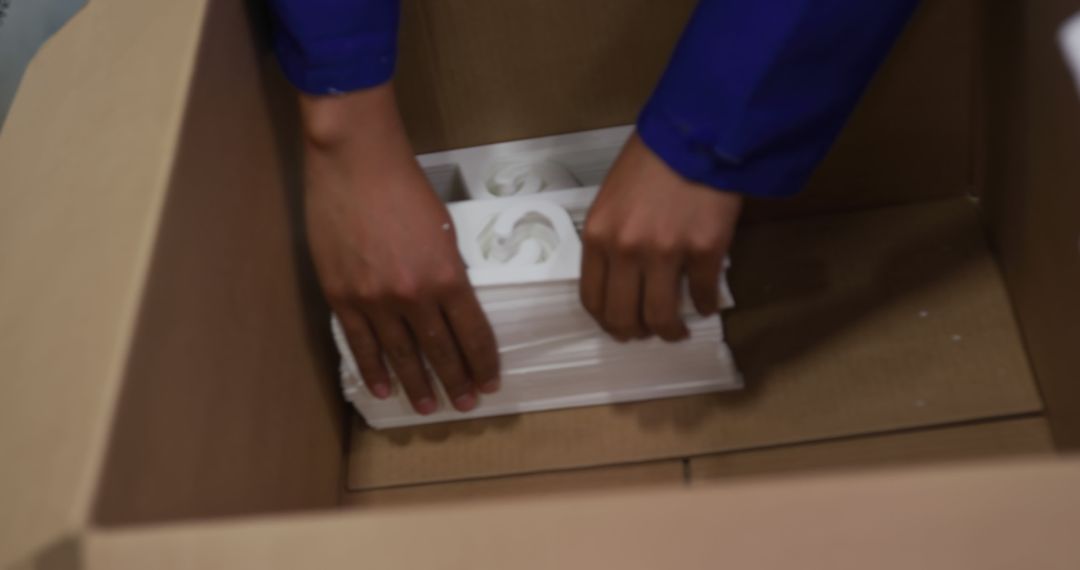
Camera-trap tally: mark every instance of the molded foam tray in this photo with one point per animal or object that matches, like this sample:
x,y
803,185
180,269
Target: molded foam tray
x,y
517,209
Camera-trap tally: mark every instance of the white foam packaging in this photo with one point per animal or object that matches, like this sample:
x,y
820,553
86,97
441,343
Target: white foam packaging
x,y
518,210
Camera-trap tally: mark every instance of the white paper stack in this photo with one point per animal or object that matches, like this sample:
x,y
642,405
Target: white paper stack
x,y
519,238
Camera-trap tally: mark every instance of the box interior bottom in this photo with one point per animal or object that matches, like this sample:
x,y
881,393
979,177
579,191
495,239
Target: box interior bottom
x,y
877,337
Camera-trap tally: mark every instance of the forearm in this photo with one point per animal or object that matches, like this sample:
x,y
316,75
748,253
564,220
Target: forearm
x,y
756,92
363,120
356,137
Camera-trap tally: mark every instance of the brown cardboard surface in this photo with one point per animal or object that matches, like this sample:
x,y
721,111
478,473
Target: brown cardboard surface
x,y
847,324
103,240
84,158
910,137
972,518
1034,171
229,403
639,476
1024,437
486,71
471,73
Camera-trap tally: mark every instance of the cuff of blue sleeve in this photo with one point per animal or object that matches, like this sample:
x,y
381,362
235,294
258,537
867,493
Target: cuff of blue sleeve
x,y
693,155
359,71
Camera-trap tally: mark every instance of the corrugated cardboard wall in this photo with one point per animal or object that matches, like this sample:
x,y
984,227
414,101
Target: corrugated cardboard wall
x,y
479,71
191,421
229,403
855,323
1033,193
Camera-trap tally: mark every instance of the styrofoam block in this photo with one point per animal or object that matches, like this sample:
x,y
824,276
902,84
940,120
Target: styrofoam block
x,y
553,355
547,319
1069,41
600,372
520,177
498,297
525,240
519,239
528,166
479,222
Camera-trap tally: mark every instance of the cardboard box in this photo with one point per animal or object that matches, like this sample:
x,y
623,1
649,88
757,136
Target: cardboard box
x,y
167,372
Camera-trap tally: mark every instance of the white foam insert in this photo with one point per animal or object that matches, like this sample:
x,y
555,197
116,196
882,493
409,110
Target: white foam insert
x,y
527,166
580,370
517,218
1069,41
516,241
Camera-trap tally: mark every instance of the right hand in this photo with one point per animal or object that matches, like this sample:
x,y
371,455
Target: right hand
x,y
385,253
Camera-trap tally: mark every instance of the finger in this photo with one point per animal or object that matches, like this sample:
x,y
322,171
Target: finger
x,y
474,337
437,343
367,354
661,299
622,299
591,284
703,273
404,358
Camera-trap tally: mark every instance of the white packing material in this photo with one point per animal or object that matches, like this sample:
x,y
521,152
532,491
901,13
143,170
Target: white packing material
x,y
526,166
518,235
583,370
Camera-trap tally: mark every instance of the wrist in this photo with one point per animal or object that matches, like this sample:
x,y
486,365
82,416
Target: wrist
x,y
366,118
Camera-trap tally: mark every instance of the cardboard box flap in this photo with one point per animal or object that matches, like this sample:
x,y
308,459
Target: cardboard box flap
x,y
84,158
229,398
1033,119
988,516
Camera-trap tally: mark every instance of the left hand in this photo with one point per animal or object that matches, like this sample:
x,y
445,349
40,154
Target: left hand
x,y
648,228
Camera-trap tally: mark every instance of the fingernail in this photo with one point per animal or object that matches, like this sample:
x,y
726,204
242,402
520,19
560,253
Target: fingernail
x,y
490,387
426,406
465,402
381,391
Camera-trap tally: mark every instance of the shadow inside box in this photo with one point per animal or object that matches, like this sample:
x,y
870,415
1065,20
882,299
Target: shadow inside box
x,y
447,431
800,285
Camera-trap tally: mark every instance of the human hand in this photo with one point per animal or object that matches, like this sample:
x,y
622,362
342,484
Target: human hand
x,y
385,253
648,228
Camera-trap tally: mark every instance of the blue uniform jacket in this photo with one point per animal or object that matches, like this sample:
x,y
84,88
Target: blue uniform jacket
x,y
754,95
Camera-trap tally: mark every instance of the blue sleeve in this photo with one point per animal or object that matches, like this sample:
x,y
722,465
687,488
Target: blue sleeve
x,y
334,46
757,90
